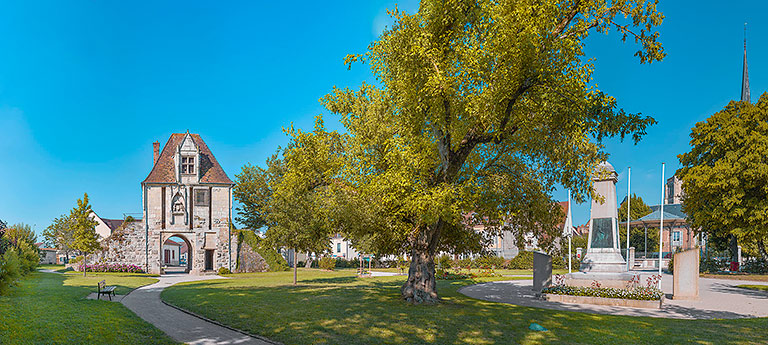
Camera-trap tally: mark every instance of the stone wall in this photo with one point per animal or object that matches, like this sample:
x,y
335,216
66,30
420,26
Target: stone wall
x,y
125,246
248,260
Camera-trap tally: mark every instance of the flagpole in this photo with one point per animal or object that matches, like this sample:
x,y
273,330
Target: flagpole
x,y
568,225
661,221
629,201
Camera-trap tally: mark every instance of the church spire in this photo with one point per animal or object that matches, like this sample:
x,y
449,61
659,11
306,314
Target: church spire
x,y
744,73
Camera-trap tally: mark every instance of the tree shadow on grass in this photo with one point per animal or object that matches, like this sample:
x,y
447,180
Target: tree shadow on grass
x,y
334,310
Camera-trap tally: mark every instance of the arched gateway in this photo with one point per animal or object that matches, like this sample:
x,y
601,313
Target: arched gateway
x,y
187,195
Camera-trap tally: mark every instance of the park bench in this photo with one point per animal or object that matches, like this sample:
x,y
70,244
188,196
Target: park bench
x,y
105,290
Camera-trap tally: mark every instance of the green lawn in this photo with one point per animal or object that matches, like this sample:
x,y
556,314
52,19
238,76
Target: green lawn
x,y
501,271
48,308
755,287
339,308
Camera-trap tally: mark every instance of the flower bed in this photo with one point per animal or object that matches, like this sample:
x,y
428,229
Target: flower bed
x,y
125,268
638,293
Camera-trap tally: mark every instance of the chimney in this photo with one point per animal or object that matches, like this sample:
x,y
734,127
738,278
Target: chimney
x,y
156,147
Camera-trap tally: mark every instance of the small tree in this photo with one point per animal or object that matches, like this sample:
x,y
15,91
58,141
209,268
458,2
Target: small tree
x,y
60,234
86,240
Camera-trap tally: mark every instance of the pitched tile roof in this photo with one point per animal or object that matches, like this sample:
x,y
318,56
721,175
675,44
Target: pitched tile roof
x,y
113,223
164,170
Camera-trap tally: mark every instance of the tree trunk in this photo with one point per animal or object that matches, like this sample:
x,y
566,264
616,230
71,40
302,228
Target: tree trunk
x,y
734,249
421,286
761,248
85,262
295,265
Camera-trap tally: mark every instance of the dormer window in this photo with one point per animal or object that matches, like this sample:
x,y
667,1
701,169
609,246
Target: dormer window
x,y
188,165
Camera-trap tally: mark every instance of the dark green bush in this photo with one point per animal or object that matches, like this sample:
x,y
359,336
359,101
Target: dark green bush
x,y
327,263
755,266
444,261
464,263
224,270
523,261
10,270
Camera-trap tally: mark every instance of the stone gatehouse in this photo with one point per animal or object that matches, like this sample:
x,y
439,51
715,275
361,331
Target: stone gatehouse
x,y
187,195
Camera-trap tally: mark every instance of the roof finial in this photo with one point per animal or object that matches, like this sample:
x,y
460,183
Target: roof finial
x,y
745,74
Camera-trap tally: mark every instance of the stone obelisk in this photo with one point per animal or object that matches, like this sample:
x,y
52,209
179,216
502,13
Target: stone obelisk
x,y
603,253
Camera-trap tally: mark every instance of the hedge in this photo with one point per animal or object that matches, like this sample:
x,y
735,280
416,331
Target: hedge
x,y
275,261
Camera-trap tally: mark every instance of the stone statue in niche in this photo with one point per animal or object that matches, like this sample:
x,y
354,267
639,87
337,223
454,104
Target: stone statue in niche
x,y
178,207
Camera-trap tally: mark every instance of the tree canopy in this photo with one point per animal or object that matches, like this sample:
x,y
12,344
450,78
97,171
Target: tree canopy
x,y
638,236
60,234
725,174
484,107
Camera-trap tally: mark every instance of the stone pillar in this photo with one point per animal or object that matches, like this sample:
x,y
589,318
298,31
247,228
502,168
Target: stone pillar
x,y
686,275
542,271
631,257
603,253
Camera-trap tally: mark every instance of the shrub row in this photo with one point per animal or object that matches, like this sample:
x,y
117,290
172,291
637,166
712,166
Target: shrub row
x,y
523,261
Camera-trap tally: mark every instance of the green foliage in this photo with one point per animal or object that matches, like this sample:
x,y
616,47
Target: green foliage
x,y
85,238
327,263
224,270
637,209
22,238
725,174
76,260
464,263
253,190
755,266
61,233
10,270
20,233
275,261
488,262
523,261
444,261
483,106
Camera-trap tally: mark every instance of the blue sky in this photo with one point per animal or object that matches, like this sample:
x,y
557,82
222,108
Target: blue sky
x,y
87,86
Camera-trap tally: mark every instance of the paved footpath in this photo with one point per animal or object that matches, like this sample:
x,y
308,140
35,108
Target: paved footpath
x,y
145,302
718,299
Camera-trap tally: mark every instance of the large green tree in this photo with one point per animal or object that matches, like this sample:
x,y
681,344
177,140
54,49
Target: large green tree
x,y
85,238
725,175
483,108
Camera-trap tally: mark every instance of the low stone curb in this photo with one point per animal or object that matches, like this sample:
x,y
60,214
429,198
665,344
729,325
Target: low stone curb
x,y
221,324
614,302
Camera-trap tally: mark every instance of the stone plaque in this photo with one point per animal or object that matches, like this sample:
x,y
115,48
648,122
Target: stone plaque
x,y
602,233
542,271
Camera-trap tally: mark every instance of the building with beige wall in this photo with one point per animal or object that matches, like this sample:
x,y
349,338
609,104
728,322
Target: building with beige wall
x,y
188,195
